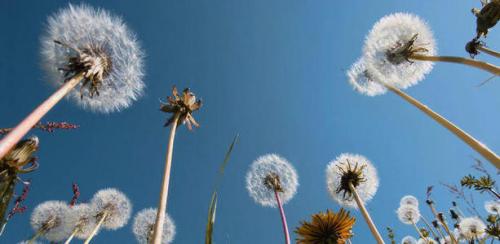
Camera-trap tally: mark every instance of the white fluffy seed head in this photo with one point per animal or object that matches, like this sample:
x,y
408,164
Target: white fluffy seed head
x,y
50,217
427,240
492,207
362,82
446,240
81,26
394,31
115,204
81,219
143,226
264,166
409,240
408,214
409,200
335,173
472,228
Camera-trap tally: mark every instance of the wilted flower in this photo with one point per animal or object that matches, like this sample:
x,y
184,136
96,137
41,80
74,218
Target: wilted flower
x,y
270,173
49,220
182,107
326,227
21,155
390,45
362,82
487,17
82,40
408,214
144,223
409,200
472,228
81,220
409,240
352,169
115,205
492,207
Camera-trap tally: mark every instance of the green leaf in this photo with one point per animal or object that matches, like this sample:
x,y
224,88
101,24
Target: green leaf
x,y
213,202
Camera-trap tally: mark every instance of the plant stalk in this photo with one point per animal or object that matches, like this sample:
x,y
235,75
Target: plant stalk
x,y
429,226
493,69
418,230
464,136
283,218
443,223
366,215
14,136
162,205
35,236
488,51
96,228
71,236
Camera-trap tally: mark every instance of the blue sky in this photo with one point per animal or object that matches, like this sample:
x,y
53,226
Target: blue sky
x,y
272,71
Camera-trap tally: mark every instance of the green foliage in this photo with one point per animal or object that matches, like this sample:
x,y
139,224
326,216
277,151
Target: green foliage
x,y
484,183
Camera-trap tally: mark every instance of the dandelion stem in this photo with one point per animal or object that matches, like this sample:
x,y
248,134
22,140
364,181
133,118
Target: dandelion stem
x,y
493,69
14,136
488,51
366,215
418,231
71,236
464,136
162,206
283,218
36,236
429,226
97,227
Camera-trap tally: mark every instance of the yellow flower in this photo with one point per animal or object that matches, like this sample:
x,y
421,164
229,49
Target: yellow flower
x,y
326,228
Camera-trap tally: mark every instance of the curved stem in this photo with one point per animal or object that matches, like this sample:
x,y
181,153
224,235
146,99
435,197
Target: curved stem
x,y
96,228
14,136
71,236
162,205
443,223
35,236
283,218
488,51
464,136
459,60
429,226
366,215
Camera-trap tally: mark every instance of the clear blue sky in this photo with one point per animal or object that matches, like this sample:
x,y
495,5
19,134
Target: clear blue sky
x,y
272,71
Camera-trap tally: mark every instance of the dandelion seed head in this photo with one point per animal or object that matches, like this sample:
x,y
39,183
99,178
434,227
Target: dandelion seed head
x,y
409,240
492,207
143,226
408,214
115,204
472,228
362,82
50,217
388,45
446,240
409,200
427,241
270,171
355,169
107,46
82,218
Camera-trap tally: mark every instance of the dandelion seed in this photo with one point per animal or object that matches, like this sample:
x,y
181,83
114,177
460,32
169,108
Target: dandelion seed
x,y
143,227
472,228
409,240
409,200
272,181
49,220
352,181
81,221
492,207
326,227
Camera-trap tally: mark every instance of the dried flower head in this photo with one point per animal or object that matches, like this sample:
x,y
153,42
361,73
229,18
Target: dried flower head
x,y
409,240
81,219
115,205
81,39
389,46
143,227
326,227
409,200
427,241
487,17
182,106
270,173
472,228
50,219
408,214
351,169
21,156
362,82
492,207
